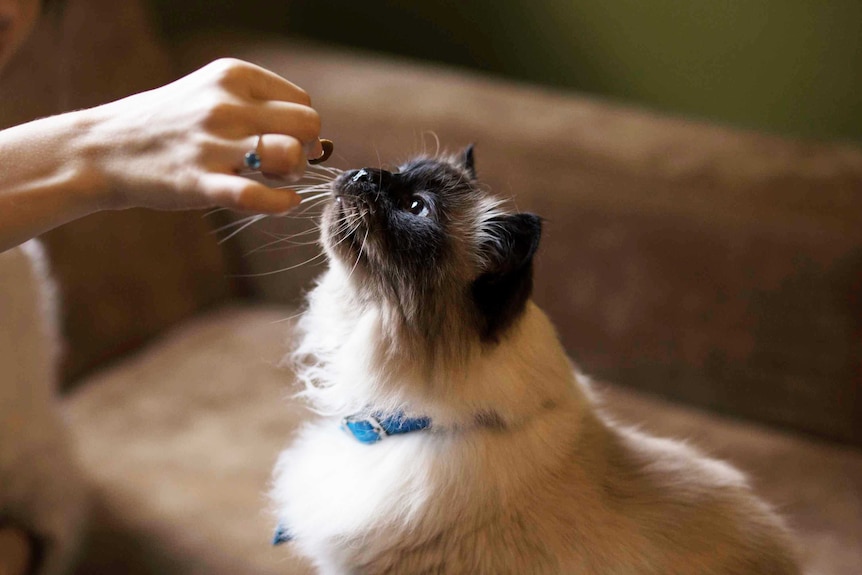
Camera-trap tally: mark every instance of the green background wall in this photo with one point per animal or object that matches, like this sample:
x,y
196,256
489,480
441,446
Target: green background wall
x,y
787,66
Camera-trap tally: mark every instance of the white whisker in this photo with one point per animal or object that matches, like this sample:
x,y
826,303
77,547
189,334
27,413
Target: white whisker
x,y
288,318
241,228
314,190
317,178
239,222
288,268
304,187
286,240
320,199
359,255
213,211
326,169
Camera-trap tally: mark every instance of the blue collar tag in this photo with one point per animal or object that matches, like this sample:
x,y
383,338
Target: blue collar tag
x,y
372,428
282,534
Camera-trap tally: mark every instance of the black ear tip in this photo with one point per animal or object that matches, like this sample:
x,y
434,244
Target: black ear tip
x,y
530,225
533,221
469,160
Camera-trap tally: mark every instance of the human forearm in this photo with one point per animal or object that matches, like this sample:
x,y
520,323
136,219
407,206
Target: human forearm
x,y
45,179
180,146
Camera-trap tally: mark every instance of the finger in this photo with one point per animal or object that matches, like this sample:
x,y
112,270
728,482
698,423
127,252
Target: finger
x,y
237,120
238,193
267,85
257,83
278,154
315,149
301,122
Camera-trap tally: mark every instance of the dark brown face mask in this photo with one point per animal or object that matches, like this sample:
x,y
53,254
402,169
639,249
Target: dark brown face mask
x,y
328,147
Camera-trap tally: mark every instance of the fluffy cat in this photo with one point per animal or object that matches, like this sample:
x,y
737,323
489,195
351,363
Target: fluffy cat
x,y
41,489
423,323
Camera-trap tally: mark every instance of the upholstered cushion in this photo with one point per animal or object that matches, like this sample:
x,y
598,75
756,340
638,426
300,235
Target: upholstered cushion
x,y
179,441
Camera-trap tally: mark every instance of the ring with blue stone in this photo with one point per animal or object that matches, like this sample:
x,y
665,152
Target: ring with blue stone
x,y
252,157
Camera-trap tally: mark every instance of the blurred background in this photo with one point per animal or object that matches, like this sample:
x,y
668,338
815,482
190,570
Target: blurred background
x,y
792,67
714,274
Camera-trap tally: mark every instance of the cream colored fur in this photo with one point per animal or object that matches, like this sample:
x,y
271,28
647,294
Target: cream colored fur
x,y
550,486
40,487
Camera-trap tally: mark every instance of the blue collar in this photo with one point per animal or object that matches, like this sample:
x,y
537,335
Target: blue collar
x,y
375,426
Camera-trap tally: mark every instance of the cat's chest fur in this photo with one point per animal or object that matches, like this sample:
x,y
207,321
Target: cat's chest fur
x,y
354,506
333,486
360,505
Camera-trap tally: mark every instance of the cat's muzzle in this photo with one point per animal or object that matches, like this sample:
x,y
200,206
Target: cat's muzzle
x,y
362,182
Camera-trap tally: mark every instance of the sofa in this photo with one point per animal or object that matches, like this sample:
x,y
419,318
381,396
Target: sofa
x,y
708,278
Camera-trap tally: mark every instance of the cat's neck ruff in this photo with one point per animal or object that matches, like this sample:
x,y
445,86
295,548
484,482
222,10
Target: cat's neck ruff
x,y
349,361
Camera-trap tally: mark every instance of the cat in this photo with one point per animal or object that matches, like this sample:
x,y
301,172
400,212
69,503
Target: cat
x,y
42,490
454,434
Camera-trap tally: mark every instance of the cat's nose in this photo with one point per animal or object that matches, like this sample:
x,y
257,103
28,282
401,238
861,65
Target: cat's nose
x,y
367,179
372,175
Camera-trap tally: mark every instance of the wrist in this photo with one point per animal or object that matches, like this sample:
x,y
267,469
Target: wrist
x,y
83,155
55,159
47,177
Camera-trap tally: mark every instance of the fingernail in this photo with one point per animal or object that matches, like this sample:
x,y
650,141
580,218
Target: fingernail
x,y
295,200
316,149
296,174
326,147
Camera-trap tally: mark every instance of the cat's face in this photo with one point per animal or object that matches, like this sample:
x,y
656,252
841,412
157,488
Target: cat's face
x,y
429,242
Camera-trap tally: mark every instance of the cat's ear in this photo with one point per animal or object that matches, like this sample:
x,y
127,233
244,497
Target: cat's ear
x,y
502,291
468,161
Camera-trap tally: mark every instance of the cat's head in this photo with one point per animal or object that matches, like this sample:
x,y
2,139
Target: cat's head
x,y
431,244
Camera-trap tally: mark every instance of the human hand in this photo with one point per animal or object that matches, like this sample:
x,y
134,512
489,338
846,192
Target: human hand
x,y
182,145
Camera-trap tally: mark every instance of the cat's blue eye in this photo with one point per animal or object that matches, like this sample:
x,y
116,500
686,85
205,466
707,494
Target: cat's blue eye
x,y
417,206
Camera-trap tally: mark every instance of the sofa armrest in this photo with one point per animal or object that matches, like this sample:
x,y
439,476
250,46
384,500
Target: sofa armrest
x,y
714,266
